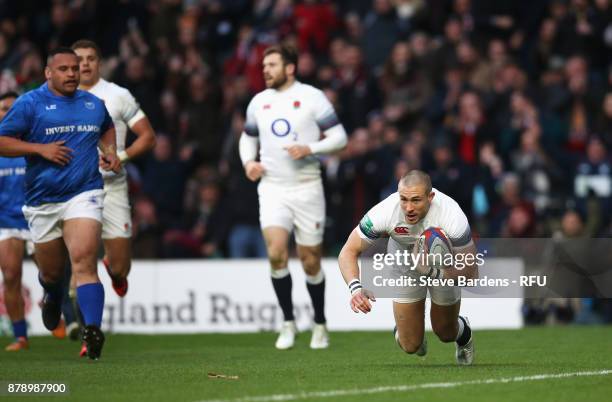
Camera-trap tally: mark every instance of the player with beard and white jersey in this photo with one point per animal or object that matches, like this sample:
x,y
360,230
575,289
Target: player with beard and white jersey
x,y
126,113
284,123
401,218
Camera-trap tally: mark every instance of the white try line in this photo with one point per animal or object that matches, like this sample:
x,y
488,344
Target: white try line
x,y
406,388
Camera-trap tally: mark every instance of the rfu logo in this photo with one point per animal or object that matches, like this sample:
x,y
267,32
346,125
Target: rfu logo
x,y
90,105
51,107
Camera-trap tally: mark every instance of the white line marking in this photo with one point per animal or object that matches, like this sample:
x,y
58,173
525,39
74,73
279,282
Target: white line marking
x,y
405,388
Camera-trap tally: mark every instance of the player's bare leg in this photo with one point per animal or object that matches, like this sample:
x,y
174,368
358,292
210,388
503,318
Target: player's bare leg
x,y
11,262
118,262
410,327
450,327
51,257
444,321
11,259
82,240
310,256
277,244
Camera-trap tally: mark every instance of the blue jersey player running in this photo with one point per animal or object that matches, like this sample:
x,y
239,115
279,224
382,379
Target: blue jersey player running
x,y
58,128
13,236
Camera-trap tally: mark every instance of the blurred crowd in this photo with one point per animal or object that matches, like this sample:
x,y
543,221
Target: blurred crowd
x,y
506,103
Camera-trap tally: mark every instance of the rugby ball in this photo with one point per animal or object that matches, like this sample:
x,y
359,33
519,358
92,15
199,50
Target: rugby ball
x,y
435,243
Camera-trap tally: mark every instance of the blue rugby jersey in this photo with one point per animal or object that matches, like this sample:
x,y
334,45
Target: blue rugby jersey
x,y
12,181
39,116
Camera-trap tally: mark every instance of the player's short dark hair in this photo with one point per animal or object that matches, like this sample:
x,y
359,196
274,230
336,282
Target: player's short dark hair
x,y
87,44
288,53
9,94
416,177
59,50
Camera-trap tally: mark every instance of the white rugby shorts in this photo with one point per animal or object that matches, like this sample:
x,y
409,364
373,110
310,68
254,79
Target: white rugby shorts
x,y
116,216
300,206
46,220
20,234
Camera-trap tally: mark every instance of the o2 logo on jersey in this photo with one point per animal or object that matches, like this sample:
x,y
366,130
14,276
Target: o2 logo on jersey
x,y
281,127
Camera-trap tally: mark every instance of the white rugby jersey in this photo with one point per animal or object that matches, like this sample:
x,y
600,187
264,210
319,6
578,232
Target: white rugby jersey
x,y
386,219
296,115
123,109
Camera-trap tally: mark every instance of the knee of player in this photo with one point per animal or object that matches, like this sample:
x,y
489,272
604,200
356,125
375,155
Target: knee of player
x,y
11,277
408,345
311,262
277,253
82,256
278,257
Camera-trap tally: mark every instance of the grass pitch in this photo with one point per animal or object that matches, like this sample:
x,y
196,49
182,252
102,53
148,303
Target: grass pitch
x,y
358,365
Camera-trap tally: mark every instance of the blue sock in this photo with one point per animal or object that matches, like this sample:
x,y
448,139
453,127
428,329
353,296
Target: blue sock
x,y
20,329
54,289
91,302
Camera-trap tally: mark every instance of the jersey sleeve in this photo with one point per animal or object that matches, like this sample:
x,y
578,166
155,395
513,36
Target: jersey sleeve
x,y
373,225
250,125
131,112
324,112
457,227
18,120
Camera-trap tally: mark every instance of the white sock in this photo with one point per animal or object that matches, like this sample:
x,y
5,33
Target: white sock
x,y
279,273
315,279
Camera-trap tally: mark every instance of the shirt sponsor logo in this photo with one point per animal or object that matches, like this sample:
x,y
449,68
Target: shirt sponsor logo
x,y
51,107
281,127
71,129
17,171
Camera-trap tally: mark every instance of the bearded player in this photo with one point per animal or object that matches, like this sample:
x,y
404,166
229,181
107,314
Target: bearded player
x,y
284,126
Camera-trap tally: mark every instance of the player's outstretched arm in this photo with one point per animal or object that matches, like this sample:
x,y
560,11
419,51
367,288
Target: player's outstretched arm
x,y
145,140
55,152
347,260
108,145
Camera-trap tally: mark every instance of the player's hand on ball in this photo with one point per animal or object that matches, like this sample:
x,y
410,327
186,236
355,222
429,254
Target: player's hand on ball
x,y
254,170
56,152
298,151
110,162
421,266
360,301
